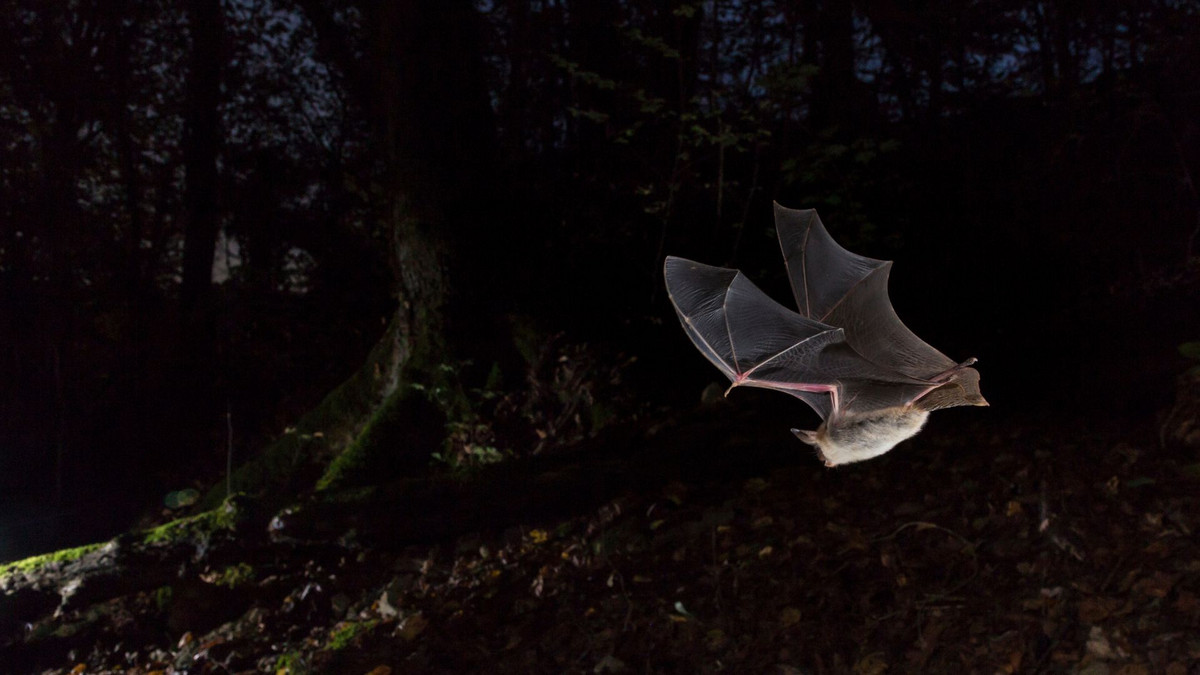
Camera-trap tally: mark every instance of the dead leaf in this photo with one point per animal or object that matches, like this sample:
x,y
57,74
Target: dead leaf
x,y
609,664
412,626
1156,585
764,521
1112,485
790,616
871,664
755,485
716,639
1014,662
1098,644
386,611
1095,609
1187,602
675,492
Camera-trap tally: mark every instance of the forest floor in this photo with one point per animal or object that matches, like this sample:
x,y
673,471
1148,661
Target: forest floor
x,y
977,547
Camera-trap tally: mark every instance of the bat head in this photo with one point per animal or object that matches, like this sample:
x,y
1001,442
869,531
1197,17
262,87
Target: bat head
x,y
853,437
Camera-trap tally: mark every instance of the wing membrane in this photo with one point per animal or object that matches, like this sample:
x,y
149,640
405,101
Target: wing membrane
x,y
847,290
757,342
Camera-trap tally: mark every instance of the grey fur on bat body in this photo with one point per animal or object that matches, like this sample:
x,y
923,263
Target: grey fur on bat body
x,y
845,353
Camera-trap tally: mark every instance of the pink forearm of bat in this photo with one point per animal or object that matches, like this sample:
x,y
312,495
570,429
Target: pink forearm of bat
x,y
831,389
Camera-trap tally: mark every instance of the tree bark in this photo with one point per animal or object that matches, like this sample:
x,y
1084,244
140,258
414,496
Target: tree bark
x,y
415,71
420,83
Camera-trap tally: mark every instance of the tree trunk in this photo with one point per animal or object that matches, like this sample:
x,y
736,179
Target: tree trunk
x,y
420,83
193,409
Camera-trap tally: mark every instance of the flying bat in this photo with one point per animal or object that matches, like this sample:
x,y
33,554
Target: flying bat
x,y
845,353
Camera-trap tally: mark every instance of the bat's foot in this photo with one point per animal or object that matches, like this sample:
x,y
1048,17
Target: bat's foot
x,y
948,374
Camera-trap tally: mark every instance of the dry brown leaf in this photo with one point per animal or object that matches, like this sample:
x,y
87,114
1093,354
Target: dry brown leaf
x,y
716,639
675,492
1156,585
1098,644
412,626
1014,662
1187,602
871,664
1096,609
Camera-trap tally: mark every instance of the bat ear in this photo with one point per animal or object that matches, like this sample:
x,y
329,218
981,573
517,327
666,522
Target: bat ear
x,y
809,437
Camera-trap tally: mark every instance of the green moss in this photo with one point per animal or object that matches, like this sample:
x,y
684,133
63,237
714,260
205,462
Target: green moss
x,y
401,435
344,634
527,338
495,378
601,415
162,597
291,663
38,561
234,576
223,518
355,495
280,468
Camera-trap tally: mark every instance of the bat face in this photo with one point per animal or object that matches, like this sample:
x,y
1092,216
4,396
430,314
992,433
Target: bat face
x,y
845,352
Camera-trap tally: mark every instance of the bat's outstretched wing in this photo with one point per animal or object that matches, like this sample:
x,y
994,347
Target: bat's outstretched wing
x,y
845,353
847,290
757,342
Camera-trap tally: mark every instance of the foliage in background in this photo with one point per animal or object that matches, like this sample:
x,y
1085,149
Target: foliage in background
x,y
627,130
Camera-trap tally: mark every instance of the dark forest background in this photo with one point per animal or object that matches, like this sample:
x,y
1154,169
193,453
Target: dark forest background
x,y
213,211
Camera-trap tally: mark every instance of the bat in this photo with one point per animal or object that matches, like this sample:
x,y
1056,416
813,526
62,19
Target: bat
x,y
845,352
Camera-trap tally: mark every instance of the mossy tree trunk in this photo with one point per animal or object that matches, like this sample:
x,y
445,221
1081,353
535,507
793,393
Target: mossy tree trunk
x,y
415,70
